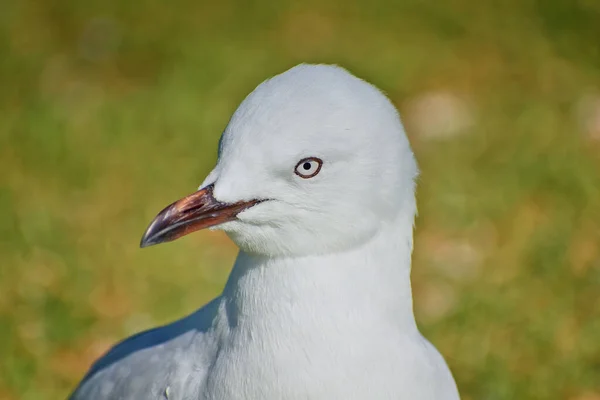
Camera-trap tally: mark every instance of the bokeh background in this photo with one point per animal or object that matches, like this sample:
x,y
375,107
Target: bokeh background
x,y
112,109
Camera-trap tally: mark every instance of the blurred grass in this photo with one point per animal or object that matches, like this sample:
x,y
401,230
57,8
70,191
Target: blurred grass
x,y
111,110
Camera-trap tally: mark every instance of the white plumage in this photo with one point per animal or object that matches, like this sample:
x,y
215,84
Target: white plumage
x,y
319,303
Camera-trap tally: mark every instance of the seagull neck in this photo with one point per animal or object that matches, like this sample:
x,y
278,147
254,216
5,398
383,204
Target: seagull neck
x,y
370,282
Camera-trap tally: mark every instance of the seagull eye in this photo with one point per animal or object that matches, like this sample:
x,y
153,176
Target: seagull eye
x,y
308,167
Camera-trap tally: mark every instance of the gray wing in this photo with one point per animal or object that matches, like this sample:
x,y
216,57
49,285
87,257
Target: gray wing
x,y
162,363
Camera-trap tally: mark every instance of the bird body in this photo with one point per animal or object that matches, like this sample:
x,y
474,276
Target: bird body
x,y
318,304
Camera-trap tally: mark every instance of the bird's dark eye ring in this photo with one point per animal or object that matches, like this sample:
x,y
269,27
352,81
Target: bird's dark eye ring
x,y
308,167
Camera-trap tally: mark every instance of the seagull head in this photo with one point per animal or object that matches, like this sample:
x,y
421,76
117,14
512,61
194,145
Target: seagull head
x,y
314,160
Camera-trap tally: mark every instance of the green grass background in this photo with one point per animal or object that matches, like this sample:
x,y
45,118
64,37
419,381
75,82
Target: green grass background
x,y
112,109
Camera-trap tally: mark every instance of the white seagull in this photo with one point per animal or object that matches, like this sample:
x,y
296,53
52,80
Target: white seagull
x,y
315,183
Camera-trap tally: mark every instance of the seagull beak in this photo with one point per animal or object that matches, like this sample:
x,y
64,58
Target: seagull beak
x,y
197,211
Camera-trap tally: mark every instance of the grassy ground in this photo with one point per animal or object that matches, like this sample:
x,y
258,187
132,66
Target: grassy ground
x,y
112,109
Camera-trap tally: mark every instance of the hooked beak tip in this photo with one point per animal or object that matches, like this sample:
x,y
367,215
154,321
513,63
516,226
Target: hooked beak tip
x,y
155,230
147,242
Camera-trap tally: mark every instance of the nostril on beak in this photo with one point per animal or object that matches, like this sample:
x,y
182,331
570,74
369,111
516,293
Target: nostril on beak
x,y
193,208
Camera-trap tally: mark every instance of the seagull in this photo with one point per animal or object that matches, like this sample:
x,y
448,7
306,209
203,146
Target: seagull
x,y
315,183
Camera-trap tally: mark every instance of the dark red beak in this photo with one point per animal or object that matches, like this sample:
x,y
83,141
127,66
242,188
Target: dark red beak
x,y
197,211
